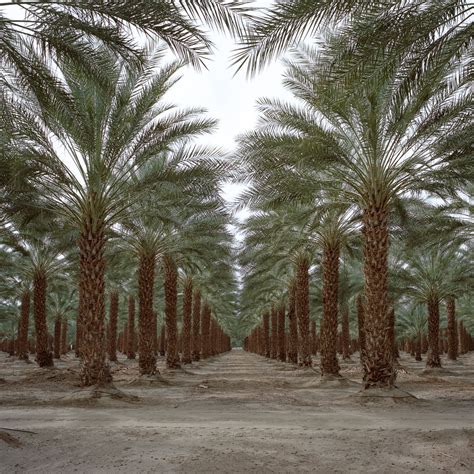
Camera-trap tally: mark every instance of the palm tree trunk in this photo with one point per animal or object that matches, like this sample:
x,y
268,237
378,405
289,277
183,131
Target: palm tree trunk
x,y
94,368
187,308
274,334
345,334
196,341
329,362
131,328
44,357
171,297
64,336
452,329
314,338
205,329
113,314
266,333
360,324
379,363
302,310
24,322
163,340
418,347
293,326
146,280
57,338
79,323
433,359
281,334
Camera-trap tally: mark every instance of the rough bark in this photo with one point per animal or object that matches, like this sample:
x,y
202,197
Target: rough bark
x,y
64,348
360,324
379,363
44,357
418,348
187,308
94,368
171,298
266,333
57,338
79,322
23,327
452,330
205,330
146,350
328,338
274,334
163,339
314,338
345,334
131,328
433,359
293,326
113,314
281,334
196,340
302,310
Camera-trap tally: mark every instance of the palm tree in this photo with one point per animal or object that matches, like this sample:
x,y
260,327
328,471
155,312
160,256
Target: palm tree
x,y
434,275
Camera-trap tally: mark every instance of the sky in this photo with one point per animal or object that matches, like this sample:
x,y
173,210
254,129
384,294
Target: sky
x,y
229,98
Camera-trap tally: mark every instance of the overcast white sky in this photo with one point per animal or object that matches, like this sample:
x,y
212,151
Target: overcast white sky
x,y
228,98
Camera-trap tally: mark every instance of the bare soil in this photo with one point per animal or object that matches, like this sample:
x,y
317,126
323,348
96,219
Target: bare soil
x,y
236,413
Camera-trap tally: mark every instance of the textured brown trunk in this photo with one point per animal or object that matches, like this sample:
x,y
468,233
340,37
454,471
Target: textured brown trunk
x,y
23,328
266,333
281,333
205,330
433,359
113,314
274,334
171,298
418,348
452,329
328,331
196,340
155,333
79,322
146,280
293,326
187,308
163,339
44,357
94,368
57,338
302,310
131,328
379,361
314,336
64,336
392,346
345,334
360,323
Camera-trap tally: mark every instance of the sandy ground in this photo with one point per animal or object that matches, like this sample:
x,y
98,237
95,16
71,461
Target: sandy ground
x,y
235,413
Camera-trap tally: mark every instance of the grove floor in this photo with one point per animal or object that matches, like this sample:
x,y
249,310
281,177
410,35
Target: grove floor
x,y
235,413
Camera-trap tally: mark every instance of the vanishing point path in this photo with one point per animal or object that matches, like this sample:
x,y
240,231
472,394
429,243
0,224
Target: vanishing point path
x,y
236,413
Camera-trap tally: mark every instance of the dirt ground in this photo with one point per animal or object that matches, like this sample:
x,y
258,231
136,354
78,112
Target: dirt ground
x,y
236,413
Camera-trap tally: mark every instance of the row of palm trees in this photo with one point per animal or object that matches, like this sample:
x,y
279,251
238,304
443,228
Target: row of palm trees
x,y
104,183
368,163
